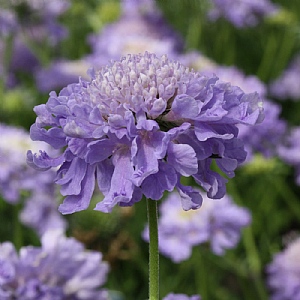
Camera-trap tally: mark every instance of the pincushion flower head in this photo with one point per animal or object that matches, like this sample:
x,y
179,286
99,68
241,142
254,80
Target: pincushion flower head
x,y
284,273
136,127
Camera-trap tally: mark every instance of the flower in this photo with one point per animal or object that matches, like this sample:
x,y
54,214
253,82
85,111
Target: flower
x,y
16,177
173,296
241,13
248,83
140,28
60,73
283,273
289,151
138,126
286,86
8,22
265,138
218,222
40,212
59,269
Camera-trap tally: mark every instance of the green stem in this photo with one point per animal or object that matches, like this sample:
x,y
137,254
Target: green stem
x,y
153,250
201,275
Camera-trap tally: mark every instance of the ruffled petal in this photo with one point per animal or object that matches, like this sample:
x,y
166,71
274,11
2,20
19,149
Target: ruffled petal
x,y
43,161
121,189
104,173
54,136
211,181
81,201
72,178
183,158
185,106
190,198
99,150
155,185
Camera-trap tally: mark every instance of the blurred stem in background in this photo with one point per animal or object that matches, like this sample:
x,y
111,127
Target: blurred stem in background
x,y
5,61
17,227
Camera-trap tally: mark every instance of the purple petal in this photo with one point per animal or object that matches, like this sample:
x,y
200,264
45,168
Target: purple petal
x,y
104,173
121,185
155,185
205,131
99,150
54,136
81,201
183,158
185,106
190,198
43,161
211,181
227,165
71,180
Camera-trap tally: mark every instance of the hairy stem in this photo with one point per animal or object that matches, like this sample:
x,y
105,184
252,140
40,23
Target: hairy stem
x,y
153,250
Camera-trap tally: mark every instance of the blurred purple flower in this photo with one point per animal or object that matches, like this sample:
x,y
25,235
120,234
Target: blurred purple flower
x,y
181,297
8,22
286,86
218,222
40,211
248,83
61,73
15,175
242,13
59,269
283,273
138,126
265,138
40,21
141,28
34,22
289,151
22,61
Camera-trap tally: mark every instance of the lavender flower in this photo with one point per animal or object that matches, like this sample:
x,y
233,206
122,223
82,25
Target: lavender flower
x,y
138,126
286,86
248,83
61,73
45,15
22,60
59,269
141,28
283,273
8,22
217,221
40,211
242,13
181,297
289,151
15,175
265,138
